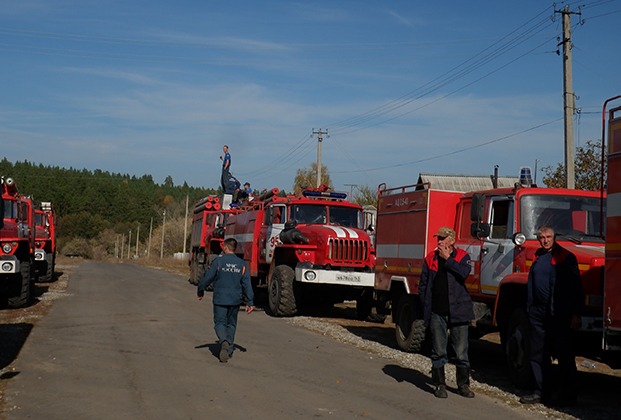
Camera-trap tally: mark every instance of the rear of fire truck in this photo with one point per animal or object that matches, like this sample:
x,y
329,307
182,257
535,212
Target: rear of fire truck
x,y
16,246
208,223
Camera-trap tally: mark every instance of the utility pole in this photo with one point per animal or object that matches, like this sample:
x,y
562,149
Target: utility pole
x,y
163,228
129,244
150,232
320,135
137,240
569,100
185,224
351,189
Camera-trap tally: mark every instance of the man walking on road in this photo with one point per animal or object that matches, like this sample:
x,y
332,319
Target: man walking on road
x,y
231,283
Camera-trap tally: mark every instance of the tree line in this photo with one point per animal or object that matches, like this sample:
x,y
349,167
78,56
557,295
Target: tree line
x,y
95,209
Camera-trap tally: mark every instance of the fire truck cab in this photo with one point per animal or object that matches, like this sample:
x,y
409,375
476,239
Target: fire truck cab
x,y
17,233
311,248
497,227
45,242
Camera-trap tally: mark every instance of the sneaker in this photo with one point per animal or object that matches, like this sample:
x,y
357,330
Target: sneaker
x,y
440,391
224,352
531,399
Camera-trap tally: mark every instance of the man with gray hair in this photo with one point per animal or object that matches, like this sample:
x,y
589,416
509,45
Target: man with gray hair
x,y
554,304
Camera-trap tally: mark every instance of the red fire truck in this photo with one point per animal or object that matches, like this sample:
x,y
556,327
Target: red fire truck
x,y
497,227
45,242
612,290
306,249
208,222
17,233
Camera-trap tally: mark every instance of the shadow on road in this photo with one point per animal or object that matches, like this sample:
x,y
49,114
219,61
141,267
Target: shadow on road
x,y
12,339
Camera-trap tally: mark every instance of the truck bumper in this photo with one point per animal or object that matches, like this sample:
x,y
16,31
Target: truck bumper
x,y
9,265
344,278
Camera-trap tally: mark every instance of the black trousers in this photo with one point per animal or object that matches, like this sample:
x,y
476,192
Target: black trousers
x,y
551,336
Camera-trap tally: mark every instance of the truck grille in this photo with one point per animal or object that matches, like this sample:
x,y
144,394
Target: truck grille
x,y
348,250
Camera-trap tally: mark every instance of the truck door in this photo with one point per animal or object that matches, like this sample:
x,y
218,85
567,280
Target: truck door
x,y
612,277
497,248
277,216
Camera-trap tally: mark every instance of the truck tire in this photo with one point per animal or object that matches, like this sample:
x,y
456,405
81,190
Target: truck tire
x,y
281,296
49,269
409,324
20,289
517,349
364,305
204,267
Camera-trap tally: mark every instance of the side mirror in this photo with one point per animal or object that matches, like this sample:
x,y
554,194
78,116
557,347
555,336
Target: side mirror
x,y
477,208
479,230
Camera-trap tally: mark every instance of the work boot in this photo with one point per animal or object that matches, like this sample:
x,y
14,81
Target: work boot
x,y
439,381
224,352
534,398
463,382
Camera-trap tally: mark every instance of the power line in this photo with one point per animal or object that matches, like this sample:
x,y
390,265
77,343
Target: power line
x,y
454,152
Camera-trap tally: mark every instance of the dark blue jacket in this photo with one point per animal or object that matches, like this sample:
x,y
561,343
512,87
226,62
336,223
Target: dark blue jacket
x,y
457,270
565,286
231,281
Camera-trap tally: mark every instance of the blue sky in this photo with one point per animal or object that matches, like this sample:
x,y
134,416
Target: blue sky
x,y
402,87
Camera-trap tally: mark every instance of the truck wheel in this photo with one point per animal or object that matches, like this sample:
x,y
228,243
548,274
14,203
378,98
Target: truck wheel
x,y
409,324
517,349
203,267
49,269
281,297
364,305
19,291
192,278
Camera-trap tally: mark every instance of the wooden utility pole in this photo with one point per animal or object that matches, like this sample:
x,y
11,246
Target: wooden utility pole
x,y
569,100
320,135
185,224
137,240
163,229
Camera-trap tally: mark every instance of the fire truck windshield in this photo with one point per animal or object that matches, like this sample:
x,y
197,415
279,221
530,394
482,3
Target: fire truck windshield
x,y
573,218
10,209
321,214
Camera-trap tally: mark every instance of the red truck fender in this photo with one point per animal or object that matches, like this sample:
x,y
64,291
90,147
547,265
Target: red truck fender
x,y
511,295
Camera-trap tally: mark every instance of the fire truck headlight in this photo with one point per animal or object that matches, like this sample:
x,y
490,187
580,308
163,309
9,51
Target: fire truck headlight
x,y
310,275
519,239
7,248
7,267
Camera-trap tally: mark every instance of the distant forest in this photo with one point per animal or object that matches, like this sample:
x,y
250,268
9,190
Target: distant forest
x,y
97,211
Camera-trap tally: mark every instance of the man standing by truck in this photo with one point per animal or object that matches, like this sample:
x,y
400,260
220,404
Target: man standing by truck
x,y
447,306
554,305
231,280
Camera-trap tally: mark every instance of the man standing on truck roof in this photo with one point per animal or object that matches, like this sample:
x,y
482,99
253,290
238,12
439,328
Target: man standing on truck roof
x,y
447,306
226,166
231,280
554,305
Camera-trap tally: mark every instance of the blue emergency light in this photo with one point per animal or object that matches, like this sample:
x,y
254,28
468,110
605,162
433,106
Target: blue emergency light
x,y
309,193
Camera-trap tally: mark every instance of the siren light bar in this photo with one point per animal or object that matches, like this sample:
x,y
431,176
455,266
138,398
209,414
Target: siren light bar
x,y
309,193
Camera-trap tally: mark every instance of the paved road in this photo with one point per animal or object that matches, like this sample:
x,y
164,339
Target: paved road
x,y
134,343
